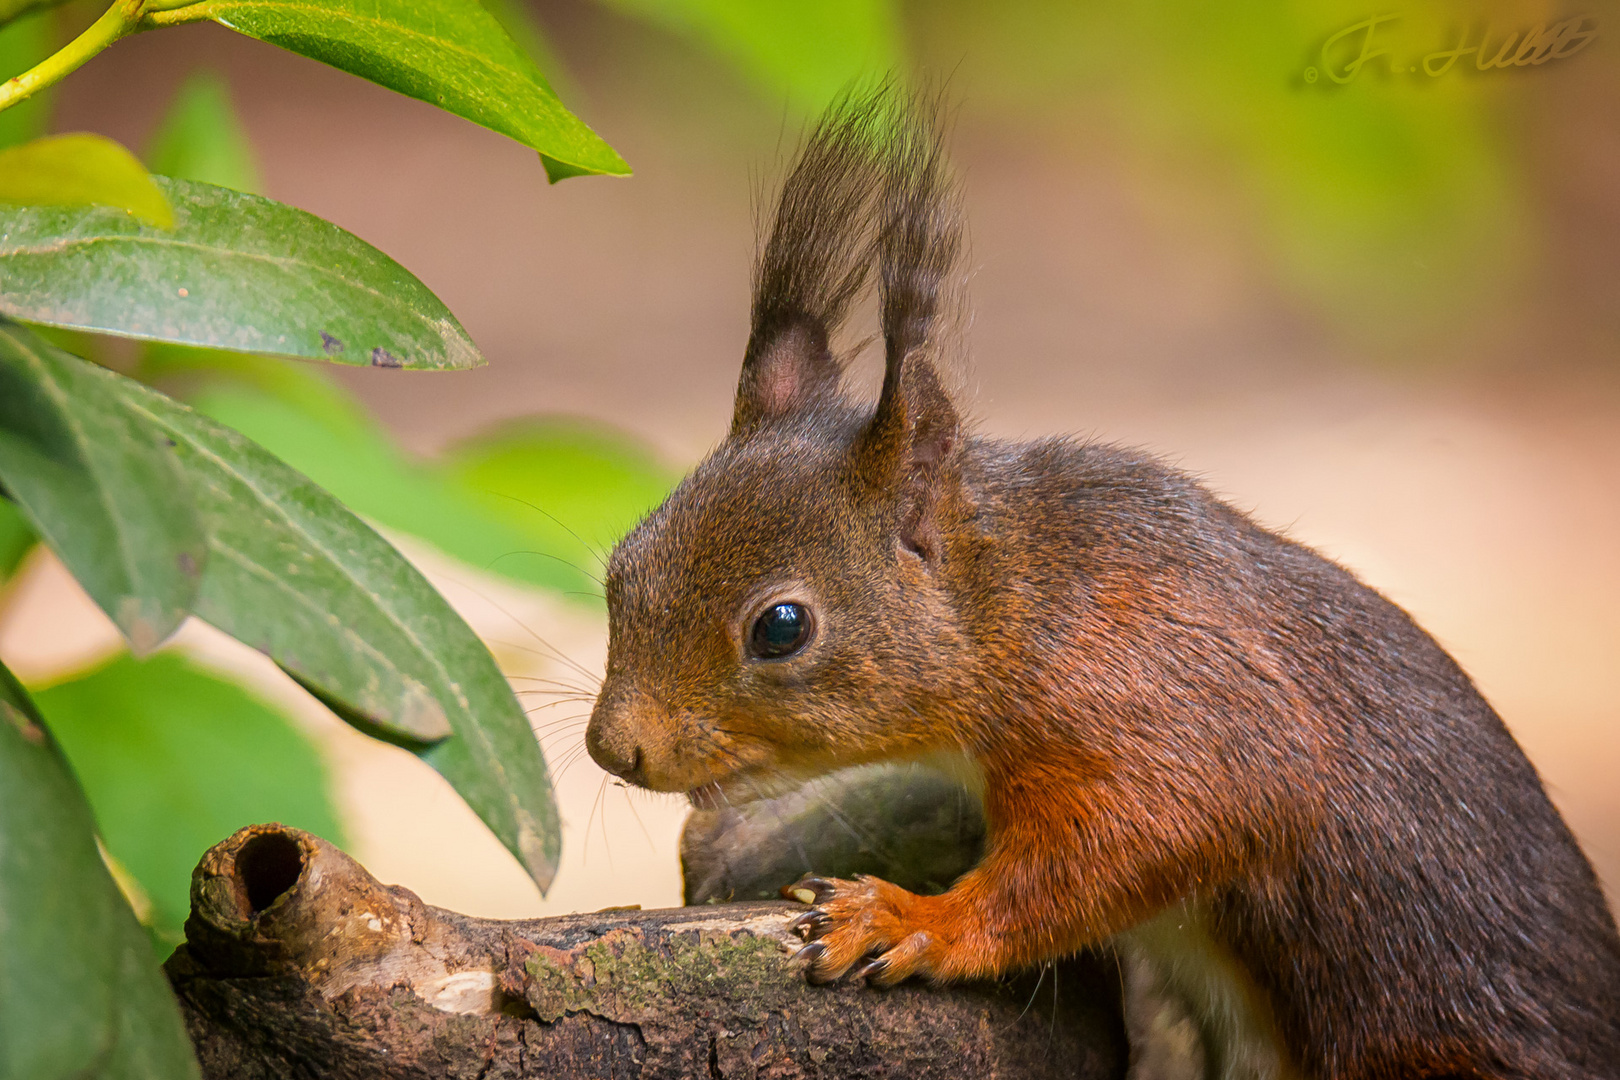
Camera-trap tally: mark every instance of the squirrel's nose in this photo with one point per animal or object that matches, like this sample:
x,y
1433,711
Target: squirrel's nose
x,y
620,760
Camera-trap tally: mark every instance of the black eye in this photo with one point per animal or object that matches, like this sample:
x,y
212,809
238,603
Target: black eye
x,y
781,630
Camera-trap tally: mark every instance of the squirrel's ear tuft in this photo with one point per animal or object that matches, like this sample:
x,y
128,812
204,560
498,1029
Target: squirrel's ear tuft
x,y
813,264
911,442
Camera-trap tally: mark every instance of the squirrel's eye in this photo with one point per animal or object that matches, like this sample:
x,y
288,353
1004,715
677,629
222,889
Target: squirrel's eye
x,y
781,630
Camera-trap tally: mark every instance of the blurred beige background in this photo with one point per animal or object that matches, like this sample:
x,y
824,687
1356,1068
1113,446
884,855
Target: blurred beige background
x,y
1467,465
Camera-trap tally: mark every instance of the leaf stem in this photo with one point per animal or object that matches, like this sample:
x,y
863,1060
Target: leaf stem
x,y
114,23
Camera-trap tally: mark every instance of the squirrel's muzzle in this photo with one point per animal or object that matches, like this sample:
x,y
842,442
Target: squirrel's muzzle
x,y
617,735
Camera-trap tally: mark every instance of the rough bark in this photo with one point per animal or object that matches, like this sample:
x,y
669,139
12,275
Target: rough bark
x,y
298,963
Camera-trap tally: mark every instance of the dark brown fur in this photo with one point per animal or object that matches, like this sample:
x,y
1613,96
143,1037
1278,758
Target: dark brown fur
x,y
1167,703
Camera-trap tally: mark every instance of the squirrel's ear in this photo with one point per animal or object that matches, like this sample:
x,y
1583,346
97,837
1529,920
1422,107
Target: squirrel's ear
x,y
909,450
910,445
812,265
785,370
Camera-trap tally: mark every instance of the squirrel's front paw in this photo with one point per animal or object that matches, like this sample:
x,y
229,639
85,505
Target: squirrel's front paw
x,y
865,920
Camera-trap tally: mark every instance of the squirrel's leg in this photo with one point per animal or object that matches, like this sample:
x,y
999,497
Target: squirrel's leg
x,y
1056,877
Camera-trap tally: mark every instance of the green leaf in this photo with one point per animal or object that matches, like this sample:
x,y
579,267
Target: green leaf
x,y
80,992
174,759
449,53
16,538
237,272
202,139
24,42
81,170
810,49
297,576
105,490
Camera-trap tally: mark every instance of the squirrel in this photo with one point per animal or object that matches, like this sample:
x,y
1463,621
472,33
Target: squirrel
x,y
1191,735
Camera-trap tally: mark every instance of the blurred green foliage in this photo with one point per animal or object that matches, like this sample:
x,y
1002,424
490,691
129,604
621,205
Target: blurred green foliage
x,y
537,500
16,537
807,50
1395,208
24,42
572,488
1393,205
11,9
81,170
201,138
174,759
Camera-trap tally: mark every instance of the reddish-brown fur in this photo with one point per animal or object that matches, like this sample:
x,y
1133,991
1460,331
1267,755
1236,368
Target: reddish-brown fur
x,y
1167,703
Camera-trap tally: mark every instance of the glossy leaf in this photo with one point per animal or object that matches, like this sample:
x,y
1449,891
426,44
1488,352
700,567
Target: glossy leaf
x,y
450,53
80,991
104,489
174,758
237,272
202,139
293,573
517,18
81,170
296,575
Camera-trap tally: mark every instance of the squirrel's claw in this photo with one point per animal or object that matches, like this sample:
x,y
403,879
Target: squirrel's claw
x,y
870,969
905,959
814,954
811,952
814,923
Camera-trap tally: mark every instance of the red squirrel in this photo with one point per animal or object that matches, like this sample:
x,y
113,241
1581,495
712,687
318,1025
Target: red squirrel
x,y
1192,736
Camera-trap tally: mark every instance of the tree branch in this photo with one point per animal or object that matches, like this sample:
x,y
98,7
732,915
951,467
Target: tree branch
x,y
299,963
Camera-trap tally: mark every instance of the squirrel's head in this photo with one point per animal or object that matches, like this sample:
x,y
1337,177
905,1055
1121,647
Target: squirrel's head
x,y
785,612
